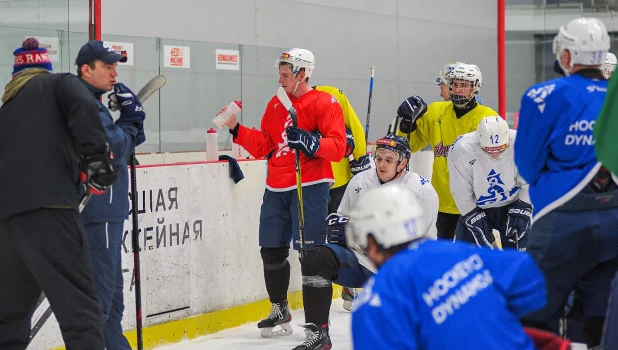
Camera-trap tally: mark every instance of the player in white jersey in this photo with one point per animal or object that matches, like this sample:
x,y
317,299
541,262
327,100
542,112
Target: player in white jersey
x,y
487,188
334,261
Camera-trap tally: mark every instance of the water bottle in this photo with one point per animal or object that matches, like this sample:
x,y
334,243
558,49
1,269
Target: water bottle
x,y
232,109
212,144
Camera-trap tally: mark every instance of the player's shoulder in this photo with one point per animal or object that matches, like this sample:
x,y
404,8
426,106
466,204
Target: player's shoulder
x,y
330,90
365,177
417,182
464,144
439,107
541,92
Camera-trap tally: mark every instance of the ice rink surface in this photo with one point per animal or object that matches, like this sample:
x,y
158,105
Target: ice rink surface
x,y
248,336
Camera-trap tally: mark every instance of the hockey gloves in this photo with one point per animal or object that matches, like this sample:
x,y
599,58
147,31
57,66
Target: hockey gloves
x,y
98,171
478,225
303,141
409,111
357,166
335,229
349,147
518,220
131,110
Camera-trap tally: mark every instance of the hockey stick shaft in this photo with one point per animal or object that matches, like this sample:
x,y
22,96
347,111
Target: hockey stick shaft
x,y
135,248
373,68
287,103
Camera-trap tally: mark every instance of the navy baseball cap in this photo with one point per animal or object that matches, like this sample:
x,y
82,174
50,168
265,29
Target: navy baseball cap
x,y
95,49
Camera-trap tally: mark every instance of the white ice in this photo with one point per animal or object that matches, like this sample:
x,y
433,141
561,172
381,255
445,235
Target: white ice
x,y
248,336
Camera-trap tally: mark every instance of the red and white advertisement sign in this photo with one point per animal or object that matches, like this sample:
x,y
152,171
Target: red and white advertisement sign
x,y
177,56
125,49
227,59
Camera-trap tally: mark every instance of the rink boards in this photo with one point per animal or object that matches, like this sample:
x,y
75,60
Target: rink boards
x,y
201,270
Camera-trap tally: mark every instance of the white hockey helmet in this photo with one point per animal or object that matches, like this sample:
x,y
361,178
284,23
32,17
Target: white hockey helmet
x,y
298,58
467,72
607,68
587,41
493,134
443,73
390,213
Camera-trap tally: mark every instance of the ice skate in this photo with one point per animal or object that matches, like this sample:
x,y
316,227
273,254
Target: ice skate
x,y
278,321
348,295
317,338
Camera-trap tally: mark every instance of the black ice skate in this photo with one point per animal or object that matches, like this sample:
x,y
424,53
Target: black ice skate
x,y
317,338
279,316
348,295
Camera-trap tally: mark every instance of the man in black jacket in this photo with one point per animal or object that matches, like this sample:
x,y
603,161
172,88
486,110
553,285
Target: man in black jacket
x,y
49,132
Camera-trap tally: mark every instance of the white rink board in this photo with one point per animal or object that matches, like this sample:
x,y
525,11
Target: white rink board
x,y
199,240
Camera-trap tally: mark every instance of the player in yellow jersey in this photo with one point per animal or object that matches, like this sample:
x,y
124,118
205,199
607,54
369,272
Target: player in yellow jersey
x,y
357,147
439,124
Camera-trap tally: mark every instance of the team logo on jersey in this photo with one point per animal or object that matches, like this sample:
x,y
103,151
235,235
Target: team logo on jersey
x,y
440,150
357,190
593,88
423,180
282,147
472,161
539,95
496,190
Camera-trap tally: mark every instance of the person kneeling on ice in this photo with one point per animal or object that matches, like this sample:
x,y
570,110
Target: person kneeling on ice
x,y
430,294
487,187
334,262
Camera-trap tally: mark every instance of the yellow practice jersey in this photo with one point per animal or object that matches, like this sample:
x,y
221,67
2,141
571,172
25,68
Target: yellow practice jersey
x,y
440,127
341,169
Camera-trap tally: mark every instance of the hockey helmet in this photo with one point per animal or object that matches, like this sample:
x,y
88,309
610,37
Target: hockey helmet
x,y
391,214
394,143
466,74
442,77
493,134
298,58
607,68
587,41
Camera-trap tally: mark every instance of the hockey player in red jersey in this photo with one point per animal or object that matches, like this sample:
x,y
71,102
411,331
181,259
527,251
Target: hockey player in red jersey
x,y
279,221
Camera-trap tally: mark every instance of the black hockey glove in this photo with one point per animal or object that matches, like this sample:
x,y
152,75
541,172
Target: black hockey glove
x,y
518,220
358,166
477,224
409,111
131,110
335,229
349,148
98,171
303,140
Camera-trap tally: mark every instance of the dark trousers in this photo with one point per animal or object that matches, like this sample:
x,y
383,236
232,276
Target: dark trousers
x,y
46,250
336,195
446,225
105,242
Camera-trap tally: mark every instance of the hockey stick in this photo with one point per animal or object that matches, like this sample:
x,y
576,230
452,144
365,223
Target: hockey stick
x,y
285,100
497,239
373,68
135,248
144,93
153,85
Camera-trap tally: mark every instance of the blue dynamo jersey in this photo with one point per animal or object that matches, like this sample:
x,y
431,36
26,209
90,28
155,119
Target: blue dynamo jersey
x,y
554,150
443,295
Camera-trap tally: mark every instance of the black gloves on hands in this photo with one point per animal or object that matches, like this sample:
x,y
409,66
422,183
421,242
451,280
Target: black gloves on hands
x,y
518,220
98,171
131,110
335,229
478,225
363,163
409,111
303,140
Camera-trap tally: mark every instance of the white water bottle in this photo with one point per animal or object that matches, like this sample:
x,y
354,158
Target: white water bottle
x,y
232,109
212,144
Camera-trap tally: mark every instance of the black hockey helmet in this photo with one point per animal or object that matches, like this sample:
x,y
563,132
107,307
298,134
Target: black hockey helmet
x,y
394,143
